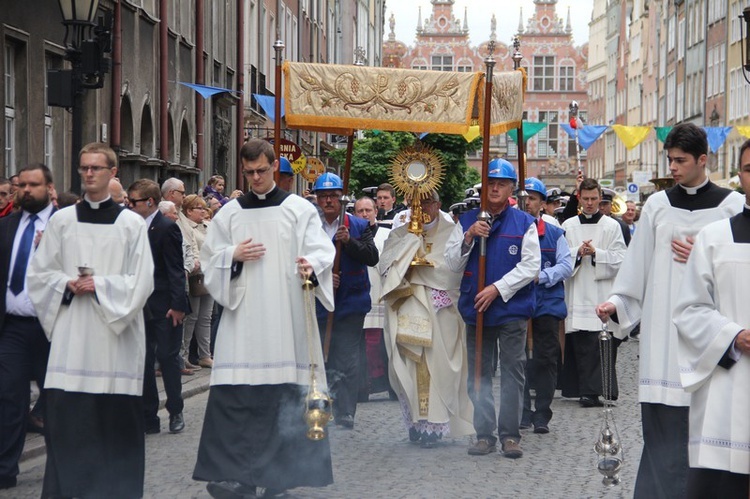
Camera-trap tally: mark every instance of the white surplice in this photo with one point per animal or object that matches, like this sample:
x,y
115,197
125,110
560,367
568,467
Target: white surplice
x,y
263,336
376,316
711,309
413,308
648,284
98,341
591,283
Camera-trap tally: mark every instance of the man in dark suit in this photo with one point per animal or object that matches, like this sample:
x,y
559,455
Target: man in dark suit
x,y
24,348
165,308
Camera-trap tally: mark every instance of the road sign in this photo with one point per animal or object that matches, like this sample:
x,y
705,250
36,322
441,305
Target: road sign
x,y
633,191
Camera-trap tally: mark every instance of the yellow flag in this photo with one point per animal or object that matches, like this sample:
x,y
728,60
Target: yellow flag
x,y
743,130
631,136
472,133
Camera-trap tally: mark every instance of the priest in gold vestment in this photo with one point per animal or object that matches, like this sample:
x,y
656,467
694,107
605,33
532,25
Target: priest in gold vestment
x,y
424,334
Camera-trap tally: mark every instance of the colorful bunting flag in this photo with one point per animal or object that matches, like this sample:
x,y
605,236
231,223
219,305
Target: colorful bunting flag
x,y
744,131
207,91
631,136
530,128
662,132
717,135
268,103
586,135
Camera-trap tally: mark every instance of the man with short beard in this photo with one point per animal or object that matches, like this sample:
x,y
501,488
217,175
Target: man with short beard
x,y
23,346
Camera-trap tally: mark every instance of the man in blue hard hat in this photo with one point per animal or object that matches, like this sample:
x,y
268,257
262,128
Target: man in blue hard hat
x,y
541,370
351,287
507,301
286,175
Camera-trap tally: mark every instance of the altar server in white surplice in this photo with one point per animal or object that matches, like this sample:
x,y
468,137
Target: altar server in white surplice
x,y
598,248
645,291
256,248
89,281
712,318
426,338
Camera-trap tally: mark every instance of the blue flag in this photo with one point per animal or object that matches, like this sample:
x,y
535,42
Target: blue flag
x,y
717,135
586,135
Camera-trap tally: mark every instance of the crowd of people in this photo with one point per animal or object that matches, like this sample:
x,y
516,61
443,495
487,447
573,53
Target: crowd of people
x,y
108,291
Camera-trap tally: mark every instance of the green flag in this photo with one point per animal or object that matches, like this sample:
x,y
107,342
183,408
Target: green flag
x,y
662,132
530,128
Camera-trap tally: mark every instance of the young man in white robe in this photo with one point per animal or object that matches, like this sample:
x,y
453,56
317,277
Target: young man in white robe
x,y
374,360
645,292
89,281
712,320
426,338
257,249
598,248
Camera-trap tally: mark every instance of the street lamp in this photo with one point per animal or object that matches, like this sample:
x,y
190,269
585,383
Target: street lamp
x,y
745,40
85,42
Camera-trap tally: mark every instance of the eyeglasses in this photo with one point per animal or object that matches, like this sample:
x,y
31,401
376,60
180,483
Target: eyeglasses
x,y
198,208
133,202
259,171
93,169
179,192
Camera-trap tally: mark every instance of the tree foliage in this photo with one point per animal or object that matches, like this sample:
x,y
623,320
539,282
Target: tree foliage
x,y
372,157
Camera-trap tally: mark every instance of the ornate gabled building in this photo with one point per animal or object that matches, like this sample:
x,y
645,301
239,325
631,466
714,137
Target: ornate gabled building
x,y
556,71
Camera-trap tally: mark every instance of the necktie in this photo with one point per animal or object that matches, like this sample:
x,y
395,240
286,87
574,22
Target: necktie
x,y
22,257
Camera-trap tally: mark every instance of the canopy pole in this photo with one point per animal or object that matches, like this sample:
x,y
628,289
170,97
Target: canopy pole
x,y
278,46
337,258
483,215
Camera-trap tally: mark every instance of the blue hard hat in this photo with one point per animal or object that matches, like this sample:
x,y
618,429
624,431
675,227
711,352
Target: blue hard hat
x,y
328,182
285,166
500,168
536,185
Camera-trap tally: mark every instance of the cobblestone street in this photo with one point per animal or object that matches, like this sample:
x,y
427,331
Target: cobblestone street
x,y
376,460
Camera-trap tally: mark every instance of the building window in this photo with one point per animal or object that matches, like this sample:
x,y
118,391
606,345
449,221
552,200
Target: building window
x,y
10,111
547,138
442,63
544,73
567,78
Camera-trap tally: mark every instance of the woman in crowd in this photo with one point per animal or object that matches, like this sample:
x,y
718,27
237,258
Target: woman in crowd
x,y
199,321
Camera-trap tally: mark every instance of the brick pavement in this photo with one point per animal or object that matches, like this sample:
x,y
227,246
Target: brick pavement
x,y
376,460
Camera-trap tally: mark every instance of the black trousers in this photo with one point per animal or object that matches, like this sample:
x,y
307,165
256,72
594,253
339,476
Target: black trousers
x,y
163,343
342,368
582,369
24,351
663,471
541,370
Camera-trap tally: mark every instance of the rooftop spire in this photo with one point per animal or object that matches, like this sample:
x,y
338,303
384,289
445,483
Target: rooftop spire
x,y
520,21
419,20
568,27
466,20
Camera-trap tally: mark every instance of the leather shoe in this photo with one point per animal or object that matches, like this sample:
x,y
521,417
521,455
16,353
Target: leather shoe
x,y
186,372
230,489
590,401
268,492
207,362
482,447
152,428
511,449
541,428
346,421
176,423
